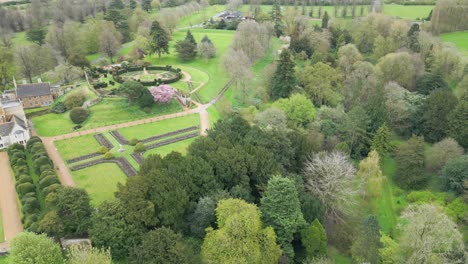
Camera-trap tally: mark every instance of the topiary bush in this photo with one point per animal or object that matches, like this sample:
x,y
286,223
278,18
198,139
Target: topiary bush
x,y
25,188
59,108
133,142
51,188
78,115
47,181
103,150
139,147
74,100
108,156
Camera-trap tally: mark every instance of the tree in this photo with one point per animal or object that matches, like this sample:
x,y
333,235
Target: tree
x,y
389,253
189,37
27,248
277,18
240,237
284,79
325,20
413,34
455,174
369,170
435,114
146,5
281,209
110,230
160,39
442,152
206,48
116,4
298,109
458,123
74,100
109,40
186,50
330,177
272,118
428,234
163,93
410,163
162,245
84,254
51,224
36,35
314,240
360,83
238,66
348,55
322,84
33,60
430,82
136,93
78,115
398,67
7,67
73,208
203,216
381,141
366,245
353,131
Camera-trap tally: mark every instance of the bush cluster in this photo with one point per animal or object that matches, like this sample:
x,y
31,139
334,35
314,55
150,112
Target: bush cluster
x,y
74,100
100,85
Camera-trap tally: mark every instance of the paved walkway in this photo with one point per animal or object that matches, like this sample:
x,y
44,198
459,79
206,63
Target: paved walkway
x,y
9,202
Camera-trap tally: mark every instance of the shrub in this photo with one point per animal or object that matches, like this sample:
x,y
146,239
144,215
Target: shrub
x,y
32,141
25,188
30,205
103,150
29,195
41,161
74,100
59,108
24,179
17,147
47,181
78,115
46,173
21,169
133,141
45,168
108,156
139,147
162,94
19,163
51,188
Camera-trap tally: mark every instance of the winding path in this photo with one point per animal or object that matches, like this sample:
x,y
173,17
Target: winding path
x,y
9,202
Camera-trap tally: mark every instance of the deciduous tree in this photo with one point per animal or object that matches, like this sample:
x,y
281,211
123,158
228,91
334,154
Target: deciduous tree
x,y
410,163
442,152
314,240
27,248
455,174
84,254
458,123
298,109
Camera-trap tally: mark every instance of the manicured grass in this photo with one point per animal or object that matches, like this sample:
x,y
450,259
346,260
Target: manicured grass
x,y
2,235
110,111
460,39
407,12
126,153
200,16
161,127
4,260
74,147
180,147
216,74
99,181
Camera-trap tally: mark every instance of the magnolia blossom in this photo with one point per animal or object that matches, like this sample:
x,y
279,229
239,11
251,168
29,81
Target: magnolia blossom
x,y
162,94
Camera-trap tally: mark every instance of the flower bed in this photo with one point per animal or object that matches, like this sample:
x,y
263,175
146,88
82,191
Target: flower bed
x,y
180,131
138,157
119,137
103,141
170,141
84,157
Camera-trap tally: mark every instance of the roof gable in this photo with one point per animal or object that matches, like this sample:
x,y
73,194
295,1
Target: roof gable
x,y
5,129
33,89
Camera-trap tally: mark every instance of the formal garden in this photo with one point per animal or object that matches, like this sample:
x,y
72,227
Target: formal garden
x,y
117,154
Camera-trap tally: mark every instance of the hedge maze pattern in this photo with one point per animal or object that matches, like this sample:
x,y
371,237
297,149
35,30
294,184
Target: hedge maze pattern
x,y
154,142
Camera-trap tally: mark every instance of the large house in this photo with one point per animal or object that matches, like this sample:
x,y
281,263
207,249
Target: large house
x,y
33,94
13,123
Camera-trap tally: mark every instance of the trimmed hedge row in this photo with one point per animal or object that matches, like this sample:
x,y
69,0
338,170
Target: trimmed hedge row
x,y
155,82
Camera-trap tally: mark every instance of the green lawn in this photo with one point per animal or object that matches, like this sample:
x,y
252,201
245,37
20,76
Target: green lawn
x,y
4,260
161,127
460,39
99,181
109,111
407,12
78,146
180,147
2,235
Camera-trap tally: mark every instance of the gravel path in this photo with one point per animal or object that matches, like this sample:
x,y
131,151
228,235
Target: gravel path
x,y
8,201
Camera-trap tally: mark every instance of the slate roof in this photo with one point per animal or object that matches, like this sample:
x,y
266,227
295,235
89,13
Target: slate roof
x,y
19,121
33,89
5,129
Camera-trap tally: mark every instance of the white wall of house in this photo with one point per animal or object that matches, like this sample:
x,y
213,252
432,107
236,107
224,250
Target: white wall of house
x,y
14,137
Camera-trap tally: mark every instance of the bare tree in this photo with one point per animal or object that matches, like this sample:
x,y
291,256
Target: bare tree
x,y
252,39
234,4
428,234
238,66
34,60
109,40
330,177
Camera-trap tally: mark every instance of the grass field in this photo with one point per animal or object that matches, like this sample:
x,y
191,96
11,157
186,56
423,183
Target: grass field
x,y
407,12
460,39
4,260
99,181
2,235
74,147
109,111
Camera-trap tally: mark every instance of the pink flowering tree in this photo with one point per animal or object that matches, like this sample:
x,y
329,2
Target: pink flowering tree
x,y
162,94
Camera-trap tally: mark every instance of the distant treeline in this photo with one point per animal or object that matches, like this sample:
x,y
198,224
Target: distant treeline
x,y
12,3
449,16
